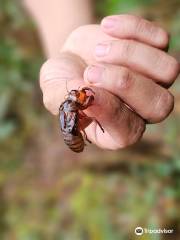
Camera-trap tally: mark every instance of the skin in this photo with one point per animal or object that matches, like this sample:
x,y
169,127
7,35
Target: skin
x,y
124,62
56,19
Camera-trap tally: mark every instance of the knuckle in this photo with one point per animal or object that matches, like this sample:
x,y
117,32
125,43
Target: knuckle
x,y
163,106
124,80
173,70
48,103
135,129
168,68
125,142
134,23
138,131
77,32
75,35
143,26
49,84
128,48
170,104
45,72
151,30
140,25
136,134
74,39
135,20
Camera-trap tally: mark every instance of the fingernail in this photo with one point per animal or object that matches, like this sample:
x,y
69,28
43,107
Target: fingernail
x,y
102,49
93,74
108,22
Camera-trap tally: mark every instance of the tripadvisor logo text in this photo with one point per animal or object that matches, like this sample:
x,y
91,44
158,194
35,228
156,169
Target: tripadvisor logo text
x,y
140,231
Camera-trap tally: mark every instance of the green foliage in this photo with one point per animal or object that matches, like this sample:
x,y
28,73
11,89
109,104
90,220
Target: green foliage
x,y
18,70
166,12
121,6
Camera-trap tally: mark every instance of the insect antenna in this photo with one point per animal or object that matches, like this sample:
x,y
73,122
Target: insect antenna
x,y
67,87
68,92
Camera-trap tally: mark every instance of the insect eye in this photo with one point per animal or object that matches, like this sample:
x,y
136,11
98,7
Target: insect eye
x,y
77,94
73,92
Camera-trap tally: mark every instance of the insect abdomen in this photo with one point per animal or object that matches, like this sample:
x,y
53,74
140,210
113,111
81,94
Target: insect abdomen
x,y
74,142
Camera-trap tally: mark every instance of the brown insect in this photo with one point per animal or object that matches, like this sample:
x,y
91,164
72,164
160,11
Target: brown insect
x,y
72,117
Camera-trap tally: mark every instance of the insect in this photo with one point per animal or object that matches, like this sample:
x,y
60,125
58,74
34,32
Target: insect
x,y
71,118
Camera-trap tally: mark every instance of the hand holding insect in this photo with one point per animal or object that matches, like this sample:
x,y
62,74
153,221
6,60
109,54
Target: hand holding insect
x,y
121,72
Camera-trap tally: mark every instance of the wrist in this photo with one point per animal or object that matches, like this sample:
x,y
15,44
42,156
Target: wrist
x,y
57,19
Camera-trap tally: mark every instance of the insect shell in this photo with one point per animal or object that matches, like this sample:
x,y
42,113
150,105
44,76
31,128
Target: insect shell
x,y
71,117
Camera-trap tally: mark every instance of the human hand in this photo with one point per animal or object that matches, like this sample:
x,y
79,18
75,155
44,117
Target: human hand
x,y
129,70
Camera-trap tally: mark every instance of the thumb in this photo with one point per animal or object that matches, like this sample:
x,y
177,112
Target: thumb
x,y
83,40
55,73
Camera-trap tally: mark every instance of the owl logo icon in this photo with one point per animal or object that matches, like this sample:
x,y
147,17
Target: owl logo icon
x,y
139,231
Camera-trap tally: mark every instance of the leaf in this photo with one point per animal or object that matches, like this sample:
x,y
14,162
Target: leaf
x,y
4,103
6,129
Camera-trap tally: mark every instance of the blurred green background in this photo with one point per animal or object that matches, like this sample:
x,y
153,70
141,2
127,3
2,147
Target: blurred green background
x,y
96,195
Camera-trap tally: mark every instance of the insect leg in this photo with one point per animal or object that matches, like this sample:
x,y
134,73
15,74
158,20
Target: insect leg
x,y
85,136
87,89
93,119
89,102
98,123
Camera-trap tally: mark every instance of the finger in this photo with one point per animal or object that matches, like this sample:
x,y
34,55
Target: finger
x,y
125,128
54,75
137,28
149,61
151,101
